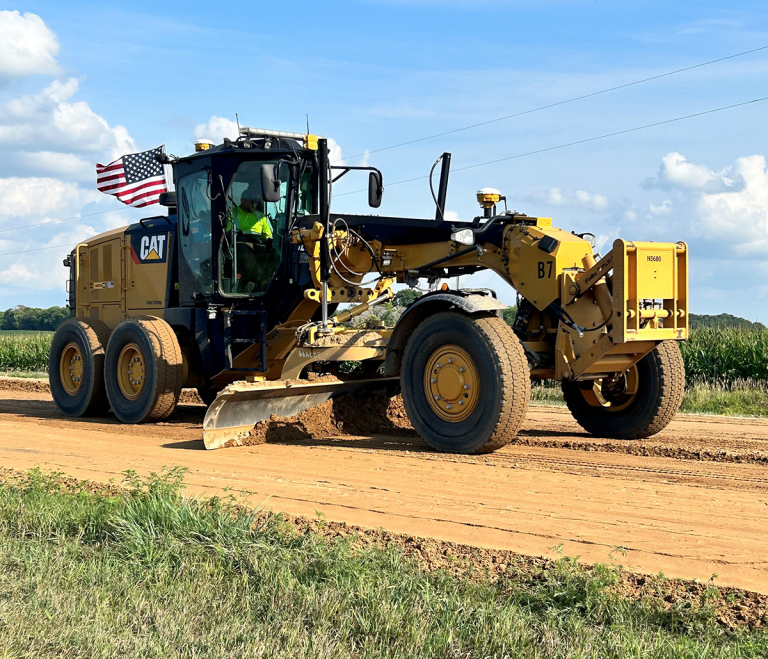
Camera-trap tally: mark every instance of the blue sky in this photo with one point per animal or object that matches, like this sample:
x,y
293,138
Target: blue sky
x,y
95,80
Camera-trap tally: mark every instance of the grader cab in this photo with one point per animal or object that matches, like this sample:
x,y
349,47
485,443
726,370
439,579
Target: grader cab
x,y
236,292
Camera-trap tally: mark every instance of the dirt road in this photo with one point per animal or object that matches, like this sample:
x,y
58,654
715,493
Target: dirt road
x,y
691,502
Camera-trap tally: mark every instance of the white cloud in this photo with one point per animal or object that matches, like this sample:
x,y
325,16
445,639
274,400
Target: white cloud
x,y
580,199
42,268
48,120
216,130
24,197
662,209
740,216
334,154
676,172
724,215
604,241
49,145
27,46
66,165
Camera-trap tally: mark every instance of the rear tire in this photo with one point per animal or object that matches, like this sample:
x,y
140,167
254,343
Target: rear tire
x,y
76,367
465,383
143,370
660,390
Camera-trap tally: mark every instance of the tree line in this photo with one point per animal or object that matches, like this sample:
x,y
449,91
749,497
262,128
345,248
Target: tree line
x,y
29,318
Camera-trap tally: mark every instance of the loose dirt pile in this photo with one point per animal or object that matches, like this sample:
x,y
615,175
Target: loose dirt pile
x,y
188,396
24,384
365,413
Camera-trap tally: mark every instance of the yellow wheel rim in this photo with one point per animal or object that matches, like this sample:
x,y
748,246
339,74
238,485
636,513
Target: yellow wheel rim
x,y
451,383
615,394
71,369
130,371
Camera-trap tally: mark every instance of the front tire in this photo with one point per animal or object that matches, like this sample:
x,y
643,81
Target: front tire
x,y
76,367
647,408
465,383
143,370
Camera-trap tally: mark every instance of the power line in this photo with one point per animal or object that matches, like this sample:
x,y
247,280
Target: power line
x,y
477,125
485,123
506,158
66,219
558,103
38,249
584,141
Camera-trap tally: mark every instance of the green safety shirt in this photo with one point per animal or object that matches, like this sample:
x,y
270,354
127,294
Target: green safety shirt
x,y
255,222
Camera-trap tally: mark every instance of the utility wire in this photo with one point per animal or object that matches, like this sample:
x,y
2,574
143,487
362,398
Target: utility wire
x,y
558,103
38,249
66,219
477,125
519,155
584,141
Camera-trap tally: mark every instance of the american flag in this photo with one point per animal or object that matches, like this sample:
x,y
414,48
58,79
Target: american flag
x,y
136,179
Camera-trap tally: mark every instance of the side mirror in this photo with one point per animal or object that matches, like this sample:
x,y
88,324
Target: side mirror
x,y
270,183
375,189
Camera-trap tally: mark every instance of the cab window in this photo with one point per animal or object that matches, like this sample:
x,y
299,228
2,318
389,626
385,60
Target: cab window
x,y
254,233
195,229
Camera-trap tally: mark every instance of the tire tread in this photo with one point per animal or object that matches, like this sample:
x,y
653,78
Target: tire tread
x,y
515,374
97,333
169,366
671,369
516,382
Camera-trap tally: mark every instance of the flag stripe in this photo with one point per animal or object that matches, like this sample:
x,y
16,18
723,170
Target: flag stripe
x,y
109,172
139,194
106,179
112,189
130,192
145,201
118,164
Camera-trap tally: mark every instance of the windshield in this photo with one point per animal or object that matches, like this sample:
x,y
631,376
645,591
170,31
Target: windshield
x,y
256,230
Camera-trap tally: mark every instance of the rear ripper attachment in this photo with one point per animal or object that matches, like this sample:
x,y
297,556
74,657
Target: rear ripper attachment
x,y
237,290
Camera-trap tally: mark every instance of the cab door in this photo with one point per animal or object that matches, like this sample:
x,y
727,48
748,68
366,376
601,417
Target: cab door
x,y
195,238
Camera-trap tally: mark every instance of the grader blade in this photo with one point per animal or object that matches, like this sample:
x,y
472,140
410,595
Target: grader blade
x,y
239,407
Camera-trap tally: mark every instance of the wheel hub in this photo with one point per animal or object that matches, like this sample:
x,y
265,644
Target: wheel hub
x,y
130,371
71,369
614,394
451,383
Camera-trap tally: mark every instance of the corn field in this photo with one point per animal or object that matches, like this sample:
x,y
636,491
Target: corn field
x,y
726,356
24,352
716,356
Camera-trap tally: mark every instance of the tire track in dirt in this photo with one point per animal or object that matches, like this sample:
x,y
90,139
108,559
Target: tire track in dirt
x,y
689,518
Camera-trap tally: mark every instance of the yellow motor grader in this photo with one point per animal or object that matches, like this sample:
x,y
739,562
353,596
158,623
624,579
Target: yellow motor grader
x,y
251,318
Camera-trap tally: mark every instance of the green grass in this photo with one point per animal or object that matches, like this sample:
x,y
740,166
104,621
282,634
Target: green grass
x,y
739,398
148,573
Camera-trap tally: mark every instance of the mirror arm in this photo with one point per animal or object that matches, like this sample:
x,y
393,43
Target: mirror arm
x,y
346,171
350,168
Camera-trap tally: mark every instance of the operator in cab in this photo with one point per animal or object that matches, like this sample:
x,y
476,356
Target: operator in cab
x,y
255,257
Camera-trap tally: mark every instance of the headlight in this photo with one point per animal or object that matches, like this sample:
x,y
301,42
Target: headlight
x,y
464,237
